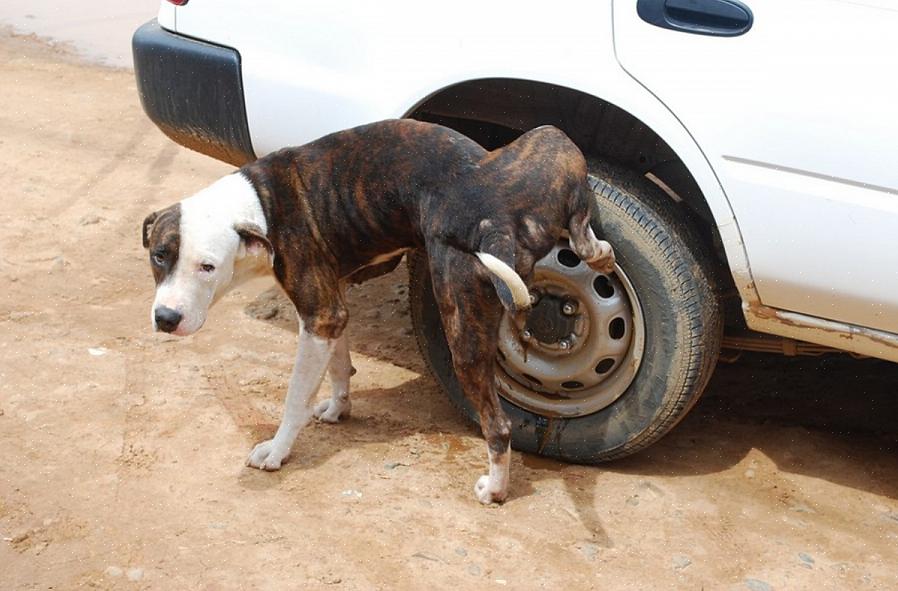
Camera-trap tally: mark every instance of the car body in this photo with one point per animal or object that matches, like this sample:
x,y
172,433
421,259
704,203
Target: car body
x,y
776,133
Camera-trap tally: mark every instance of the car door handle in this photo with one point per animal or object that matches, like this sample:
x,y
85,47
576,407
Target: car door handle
x,y
722,18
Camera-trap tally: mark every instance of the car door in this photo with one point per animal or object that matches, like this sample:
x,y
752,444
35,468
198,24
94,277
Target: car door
x,y
798,117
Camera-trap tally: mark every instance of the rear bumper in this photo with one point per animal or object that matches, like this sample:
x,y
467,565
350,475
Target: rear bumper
x,y
193,91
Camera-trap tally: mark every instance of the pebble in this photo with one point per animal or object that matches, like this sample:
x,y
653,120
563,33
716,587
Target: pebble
x,y
757,585
749,473
352,493
58,264
589,550
461,551
90,219
680,562
474,570
806,558
113,571
135,574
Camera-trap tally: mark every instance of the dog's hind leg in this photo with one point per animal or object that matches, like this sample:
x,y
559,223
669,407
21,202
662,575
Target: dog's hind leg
x,y
312,358
338,405
471,312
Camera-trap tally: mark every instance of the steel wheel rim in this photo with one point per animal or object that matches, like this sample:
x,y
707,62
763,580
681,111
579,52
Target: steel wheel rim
x,y
603,353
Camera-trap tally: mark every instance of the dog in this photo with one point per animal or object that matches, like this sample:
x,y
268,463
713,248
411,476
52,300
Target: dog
x,y
344,209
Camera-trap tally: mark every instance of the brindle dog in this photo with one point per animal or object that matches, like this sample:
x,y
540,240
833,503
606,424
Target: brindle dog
x,y
344,209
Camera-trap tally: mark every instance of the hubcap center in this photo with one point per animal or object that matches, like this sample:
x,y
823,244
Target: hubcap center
x,y
547,321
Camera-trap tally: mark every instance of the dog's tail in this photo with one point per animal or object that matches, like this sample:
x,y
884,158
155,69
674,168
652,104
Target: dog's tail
x,y
598,254
512,290
497,253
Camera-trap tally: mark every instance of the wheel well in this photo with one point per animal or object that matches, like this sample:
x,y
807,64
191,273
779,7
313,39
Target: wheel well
x,y
495,111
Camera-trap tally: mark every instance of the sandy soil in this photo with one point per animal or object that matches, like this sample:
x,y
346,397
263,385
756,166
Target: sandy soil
x,y
121,451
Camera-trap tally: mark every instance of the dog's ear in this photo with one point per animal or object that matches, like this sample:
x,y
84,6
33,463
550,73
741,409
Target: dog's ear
x,y
254,241
148,228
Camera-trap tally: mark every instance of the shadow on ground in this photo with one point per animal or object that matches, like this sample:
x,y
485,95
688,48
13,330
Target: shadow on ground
x,y
813,416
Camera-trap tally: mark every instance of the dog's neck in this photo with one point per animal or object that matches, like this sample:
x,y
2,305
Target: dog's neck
x,y
231,200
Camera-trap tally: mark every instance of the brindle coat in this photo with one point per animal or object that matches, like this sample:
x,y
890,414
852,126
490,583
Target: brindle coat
x,y
344,208
337,203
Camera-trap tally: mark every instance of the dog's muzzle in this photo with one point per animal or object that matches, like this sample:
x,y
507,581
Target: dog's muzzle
x,y
167,320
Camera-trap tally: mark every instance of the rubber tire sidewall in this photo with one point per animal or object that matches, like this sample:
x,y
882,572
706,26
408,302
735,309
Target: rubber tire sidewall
x,y
671,275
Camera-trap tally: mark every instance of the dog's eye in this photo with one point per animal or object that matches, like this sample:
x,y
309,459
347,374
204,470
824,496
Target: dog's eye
x,y
159,258
207,268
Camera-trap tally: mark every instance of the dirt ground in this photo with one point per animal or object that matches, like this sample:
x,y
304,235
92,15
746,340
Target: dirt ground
x,y
121,450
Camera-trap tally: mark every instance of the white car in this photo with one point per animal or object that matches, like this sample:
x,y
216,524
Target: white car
x,y
745,158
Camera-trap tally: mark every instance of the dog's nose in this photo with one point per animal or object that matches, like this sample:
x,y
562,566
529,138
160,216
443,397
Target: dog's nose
x,y
167,320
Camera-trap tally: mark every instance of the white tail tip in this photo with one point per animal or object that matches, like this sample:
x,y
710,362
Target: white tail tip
x,y
516,285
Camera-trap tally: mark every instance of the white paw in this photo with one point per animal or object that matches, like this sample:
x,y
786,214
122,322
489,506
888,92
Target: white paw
x,y
487,494
267,456
330,411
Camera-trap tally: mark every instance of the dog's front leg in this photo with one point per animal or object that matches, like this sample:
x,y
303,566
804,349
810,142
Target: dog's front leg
x,y
312,358
338,405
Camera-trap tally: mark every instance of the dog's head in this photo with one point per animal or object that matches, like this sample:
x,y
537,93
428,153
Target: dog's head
x,y
200,248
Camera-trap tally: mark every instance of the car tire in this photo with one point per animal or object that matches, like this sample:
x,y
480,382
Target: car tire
x,y
672,275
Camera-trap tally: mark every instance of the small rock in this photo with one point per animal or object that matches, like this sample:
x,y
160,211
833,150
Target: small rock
x,y
806,558
331,580
652,489
90,219
501,582
135,574
633,501
589,550
757,585
393,465
749,473
893,515
98,351
474,570
680,562
113,571
58,264
351,493
461,551
801,508
424,556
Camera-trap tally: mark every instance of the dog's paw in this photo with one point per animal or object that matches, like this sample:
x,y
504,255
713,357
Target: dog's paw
x,y
488,494
331,411
604,261
267,456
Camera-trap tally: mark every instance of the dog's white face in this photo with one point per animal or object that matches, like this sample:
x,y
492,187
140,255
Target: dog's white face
x,y
200,248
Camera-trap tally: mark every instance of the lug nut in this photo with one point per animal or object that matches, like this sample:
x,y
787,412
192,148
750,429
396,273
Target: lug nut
x,y
569,308
534,298
526,335
565,344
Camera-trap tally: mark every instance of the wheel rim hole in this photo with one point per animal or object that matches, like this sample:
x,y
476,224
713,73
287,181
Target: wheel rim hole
x,y
617,328
604,366
532,379
603,287
567,258
571,385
